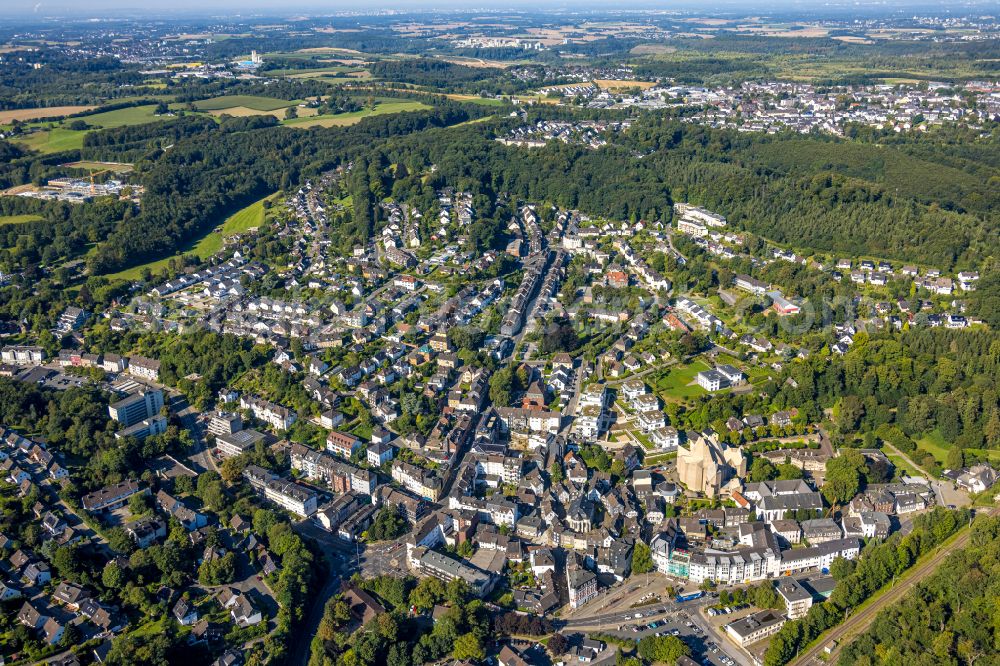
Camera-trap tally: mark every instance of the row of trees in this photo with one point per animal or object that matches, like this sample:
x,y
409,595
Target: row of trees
x,y
948,619
878,565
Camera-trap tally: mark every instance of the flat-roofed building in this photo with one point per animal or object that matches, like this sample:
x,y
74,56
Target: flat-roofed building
x,y
224,423
711,380
797,600
111,497
145,428
289,495
432,563
234,444
137,407
756,627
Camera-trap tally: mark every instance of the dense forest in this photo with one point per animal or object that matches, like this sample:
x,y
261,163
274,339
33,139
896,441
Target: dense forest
x,y
443,75
431,72
62,80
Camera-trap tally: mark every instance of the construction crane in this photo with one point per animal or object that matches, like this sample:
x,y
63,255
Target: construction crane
x,y
93,187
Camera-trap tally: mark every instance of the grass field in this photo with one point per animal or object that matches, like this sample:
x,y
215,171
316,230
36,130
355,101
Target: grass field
x,y
335,78
341,72
476,99
18,219
54,140
304,73
133,115
903,466
675,384
247,218
149,629
474,121
343,119
248,101
659,458
59,138
935,444
938,446
203,249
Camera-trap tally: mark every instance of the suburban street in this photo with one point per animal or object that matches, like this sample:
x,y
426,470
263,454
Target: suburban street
x,y
339,557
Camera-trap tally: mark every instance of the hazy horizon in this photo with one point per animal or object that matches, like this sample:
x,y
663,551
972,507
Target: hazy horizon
x,y
41,9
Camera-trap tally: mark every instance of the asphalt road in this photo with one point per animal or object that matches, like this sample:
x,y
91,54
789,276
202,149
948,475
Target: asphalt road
x,y
681,620
339,559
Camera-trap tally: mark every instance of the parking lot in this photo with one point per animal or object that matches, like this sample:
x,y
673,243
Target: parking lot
x,y
684,624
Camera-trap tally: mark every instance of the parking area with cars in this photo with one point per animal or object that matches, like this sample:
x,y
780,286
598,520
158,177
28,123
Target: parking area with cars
x,y
681,623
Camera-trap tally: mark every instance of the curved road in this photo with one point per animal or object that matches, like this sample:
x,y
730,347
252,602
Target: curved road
x,y
856,624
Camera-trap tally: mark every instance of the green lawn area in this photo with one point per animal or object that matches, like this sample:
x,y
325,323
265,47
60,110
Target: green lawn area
x,y
332,78
489,102
55,140
644,440
339,69
936,445
59,138
254,102
903,466
133,115
150,628
341,119
362,431
992,455
241,220
675,384
483,101
475,121
18,219
248,218
658,458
